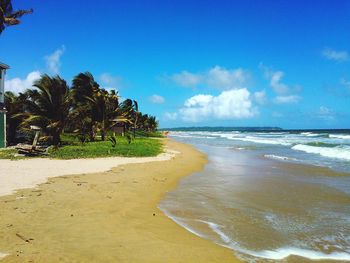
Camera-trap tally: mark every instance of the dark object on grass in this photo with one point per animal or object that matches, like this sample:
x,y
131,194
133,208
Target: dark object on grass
x,y
33,149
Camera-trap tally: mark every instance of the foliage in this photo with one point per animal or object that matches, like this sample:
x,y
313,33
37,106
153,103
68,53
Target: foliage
x,y
9,17
9,154
128,138
140,147
154,134
85,109
47,106
84,115
14,105
113,140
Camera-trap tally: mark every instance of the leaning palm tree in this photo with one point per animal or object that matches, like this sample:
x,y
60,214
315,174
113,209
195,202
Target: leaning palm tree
x,y
131,110
14,105
9,17
84,89
48,106
136,114
99,102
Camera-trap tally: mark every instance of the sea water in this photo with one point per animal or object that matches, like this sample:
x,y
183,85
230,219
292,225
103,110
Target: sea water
x,y
269,196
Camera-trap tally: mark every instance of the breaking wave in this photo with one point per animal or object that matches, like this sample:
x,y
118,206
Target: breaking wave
x,y
338,152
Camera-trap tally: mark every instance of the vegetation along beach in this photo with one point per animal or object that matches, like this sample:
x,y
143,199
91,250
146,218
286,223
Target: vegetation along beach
x,y
174,131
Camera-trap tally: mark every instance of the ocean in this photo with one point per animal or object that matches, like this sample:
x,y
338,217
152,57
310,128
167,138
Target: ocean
x,y
269,195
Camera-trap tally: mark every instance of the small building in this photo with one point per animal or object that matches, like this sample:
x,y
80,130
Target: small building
x,y
3,68
118,127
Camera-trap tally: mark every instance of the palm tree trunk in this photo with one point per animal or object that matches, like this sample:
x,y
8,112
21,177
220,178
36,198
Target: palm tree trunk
x,y
103,131
91,133
56,138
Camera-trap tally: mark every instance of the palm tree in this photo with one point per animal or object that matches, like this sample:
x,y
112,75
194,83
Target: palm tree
x,y
131,110
152,123
8,17
99,104
135,115
14,105
48,106
84,88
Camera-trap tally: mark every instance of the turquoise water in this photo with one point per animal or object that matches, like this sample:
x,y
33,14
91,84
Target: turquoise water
x,y
269,196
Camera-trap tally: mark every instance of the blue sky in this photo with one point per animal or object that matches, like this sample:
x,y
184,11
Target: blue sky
x,y
191,63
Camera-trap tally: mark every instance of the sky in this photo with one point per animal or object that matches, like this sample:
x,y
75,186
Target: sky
x,y
196,63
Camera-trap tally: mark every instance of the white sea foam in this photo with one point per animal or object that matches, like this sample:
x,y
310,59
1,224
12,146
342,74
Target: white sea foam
x,y
277,254
261,140
340,136
277,157
181,222
229,136
240,148
310,134
217,230
330,152
194,135
285,252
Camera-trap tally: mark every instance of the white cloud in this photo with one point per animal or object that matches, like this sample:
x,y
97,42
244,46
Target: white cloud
x,y
325,113
156,99
345,83
336,55
275,78
276,84
222,78
110,82
53,61
285,94
260,97
230,104
287,99
216,77
18,85
186,79
171,116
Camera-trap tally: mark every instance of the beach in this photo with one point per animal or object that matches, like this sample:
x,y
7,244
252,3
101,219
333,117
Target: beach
x,y
105,216
262,197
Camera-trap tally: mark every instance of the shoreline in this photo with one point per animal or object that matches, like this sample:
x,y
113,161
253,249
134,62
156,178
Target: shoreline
x,y
106,217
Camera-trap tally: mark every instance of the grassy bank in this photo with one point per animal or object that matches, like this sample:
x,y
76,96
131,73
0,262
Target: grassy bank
x,y
140,147
8,154
73,149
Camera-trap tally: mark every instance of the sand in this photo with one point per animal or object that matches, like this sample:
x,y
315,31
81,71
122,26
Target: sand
x,y
105,217
28,173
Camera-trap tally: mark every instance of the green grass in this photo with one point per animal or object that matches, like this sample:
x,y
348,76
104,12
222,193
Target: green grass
x,y
70,138
72,148
156,134
9,154
139,147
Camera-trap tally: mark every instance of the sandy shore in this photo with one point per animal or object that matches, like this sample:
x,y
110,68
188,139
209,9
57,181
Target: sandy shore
x,y
30,172
104,217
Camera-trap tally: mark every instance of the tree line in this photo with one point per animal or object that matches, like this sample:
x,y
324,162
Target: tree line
x,y
85,109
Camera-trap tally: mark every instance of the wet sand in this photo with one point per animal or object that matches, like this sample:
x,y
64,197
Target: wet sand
x,y
105,217
265,209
